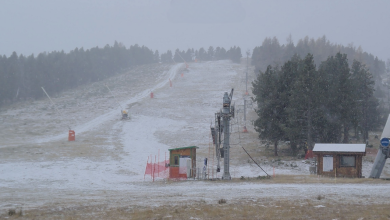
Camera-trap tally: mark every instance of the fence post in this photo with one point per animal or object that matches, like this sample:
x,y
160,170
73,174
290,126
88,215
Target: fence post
x,y
146,167
274,172
154,166
151,166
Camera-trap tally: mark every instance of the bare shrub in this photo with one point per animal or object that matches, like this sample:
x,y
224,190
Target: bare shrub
x,y
222,201
11,212
319,197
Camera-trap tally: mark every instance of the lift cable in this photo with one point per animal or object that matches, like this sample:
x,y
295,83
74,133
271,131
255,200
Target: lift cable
x,y
255,161
239,137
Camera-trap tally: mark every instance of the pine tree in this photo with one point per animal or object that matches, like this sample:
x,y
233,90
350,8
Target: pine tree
x,y
303,111
202,55
210,53
336,83
292,127
269,122
365,103
156,57
177,57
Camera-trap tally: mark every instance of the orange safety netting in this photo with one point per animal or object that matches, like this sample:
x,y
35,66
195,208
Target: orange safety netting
x,y
157,170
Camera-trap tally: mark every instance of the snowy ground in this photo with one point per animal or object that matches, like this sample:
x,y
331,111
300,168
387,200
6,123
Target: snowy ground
x,y
106,163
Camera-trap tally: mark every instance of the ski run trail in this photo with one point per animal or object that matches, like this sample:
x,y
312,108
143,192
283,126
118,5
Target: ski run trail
x,y
106,163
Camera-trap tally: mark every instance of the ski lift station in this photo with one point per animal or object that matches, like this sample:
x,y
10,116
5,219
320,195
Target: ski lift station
x,y
182,162
340,160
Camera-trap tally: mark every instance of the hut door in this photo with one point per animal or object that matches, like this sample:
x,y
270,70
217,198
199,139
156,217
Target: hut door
x,y
189,167
327,165
183,165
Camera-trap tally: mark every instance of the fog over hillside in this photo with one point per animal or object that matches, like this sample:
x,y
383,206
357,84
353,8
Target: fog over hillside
x,y
194,109
44,25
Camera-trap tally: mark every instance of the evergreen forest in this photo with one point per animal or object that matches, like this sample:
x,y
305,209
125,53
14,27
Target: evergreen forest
x,y
271,52
21,77
219,53
302,104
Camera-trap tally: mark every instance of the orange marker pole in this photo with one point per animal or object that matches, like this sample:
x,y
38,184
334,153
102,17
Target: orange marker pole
x,y
165,162
154,168
146,167
151,166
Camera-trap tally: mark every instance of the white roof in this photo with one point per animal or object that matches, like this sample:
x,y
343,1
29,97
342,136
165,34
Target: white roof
x,y
339,148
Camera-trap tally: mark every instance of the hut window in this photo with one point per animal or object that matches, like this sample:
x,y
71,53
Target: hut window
x,y
347,161
176,160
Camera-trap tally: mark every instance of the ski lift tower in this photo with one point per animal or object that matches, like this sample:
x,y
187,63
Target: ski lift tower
x,y
223,130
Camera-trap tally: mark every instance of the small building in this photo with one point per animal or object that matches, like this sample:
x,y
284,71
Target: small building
x,y
182,162
340,160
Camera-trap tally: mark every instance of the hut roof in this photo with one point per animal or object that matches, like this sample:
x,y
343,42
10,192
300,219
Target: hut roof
x,y
180,148
360,148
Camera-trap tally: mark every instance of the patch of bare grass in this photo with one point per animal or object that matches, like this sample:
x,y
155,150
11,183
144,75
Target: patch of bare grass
x,y
239,209
320,179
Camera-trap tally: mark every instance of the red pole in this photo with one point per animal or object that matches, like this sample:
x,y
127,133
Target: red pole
x,y
274,172
165,162
154,168
151,166
146,167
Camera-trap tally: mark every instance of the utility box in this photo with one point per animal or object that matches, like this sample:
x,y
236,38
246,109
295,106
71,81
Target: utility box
x,y
71,136
182,162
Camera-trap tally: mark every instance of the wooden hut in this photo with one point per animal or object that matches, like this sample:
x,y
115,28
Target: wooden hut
x,y
340,160
182,162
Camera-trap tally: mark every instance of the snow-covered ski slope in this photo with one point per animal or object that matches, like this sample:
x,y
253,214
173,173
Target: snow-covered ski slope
x,y
109,152
40,168
98,121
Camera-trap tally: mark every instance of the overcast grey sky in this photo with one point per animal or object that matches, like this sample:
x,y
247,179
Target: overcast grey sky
x,y
46,25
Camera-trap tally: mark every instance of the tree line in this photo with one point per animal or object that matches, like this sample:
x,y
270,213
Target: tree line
x,y
21,77
219,53
271,52
303,104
